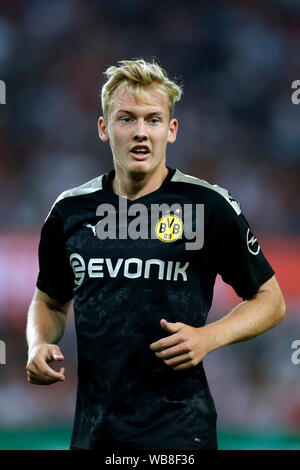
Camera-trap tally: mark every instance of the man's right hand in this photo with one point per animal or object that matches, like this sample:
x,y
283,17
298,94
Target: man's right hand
x,y
38,370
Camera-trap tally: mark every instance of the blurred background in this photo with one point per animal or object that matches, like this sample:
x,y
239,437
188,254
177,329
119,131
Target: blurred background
x,y
238,128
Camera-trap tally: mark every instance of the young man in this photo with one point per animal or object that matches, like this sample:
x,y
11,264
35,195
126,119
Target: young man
x,y
141,289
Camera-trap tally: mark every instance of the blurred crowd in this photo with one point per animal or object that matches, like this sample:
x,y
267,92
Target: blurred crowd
x,y
238,128
237,125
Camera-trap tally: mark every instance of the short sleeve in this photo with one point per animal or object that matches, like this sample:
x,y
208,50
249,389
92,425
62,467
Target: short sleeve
x,y
234,251
55,276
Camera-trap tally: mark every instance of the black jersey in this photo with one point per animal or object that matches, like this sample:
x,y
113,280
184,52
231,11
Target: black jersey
x,y
122,287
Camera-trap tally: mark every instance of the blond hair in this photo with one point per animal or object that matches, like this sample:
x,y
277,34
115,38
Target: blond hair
x,y
137,76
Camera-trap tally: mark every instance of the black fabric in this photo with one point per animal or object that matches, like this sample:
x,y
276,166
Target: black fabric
x,y
56,276
127,396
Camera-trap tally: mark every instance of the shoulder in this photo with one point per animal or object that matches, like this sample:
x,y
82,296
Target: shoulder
x,y
91,186
204,191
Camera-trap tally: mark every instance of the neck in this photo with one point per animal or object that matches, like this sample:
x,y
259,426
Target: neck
x,y
136,185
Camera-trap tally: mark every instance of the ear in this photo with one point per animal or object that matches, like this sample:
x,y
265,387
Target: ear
x,y
173,128
102,129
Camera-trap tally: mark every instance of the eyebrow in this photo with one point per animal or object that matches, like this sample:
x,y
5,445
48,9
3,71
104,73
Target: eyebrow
x,y
155,113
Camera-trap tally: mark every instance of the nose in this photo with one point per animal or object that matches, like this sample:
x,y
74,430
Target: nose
x,y
140,133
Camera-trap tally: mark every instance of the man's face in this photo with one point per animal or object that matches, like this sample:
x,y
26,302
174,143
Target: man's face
x,y
138,132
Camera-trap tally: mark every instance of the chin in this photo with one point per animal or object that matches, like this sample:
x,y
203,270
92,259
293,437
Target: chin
x,y
140,167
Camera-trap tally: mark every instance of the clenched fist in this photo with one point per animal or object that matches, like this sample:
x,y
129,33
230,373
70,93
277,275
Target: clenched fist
x,y
38,370
184,348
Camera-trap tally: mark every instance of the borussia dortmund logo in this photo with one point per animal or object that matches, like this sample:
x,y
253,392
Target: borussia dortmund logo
x,y
169,228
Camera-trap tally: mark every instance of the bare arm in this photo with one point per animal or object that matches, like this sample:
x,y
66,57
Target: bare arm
x,y
45,327
250,318
187,346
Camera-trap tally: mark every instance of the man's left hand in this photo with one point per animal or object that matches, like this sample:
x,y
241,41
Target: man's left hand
x,y
184,348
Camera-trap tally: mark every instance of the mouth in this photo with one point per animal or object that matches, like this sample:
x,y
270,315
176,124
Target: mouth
x,y
140,152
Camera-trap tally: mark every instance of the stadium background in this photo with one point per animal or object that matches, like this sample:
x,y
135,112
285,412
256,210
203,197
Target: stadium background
x,y
237,128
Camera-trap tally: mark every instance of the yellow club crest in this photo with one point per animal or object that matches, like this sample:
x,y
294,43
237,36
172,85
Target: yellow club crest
x,y
169,228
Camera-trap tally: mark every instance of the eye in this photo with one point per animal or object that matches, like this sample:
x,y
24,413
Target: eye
x,y
125,119
154,120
